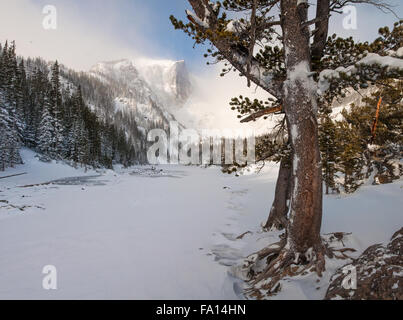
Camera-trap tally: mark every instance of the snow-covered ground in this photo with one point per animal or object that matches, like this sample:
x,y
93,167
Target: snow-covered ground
x,y
140,233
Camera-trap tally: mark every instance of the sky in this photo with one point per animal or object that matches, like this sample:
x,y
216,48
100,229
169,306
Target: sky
x,y
90,31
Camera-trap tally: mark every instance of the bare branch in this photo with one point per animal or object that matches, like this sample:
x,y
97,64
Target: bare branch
x,y
314,21
382,5
262,113
269,24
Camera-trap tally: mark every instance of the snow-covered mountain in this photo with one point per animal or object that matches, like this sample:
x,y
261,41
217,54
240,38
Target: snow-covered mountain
x,y
170,80
155,92
149,90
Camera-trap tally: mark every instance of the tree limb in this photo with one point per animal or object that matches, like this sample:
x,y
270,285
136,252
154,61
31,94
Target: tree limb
x,y
312,21
236,54
336,5
262,113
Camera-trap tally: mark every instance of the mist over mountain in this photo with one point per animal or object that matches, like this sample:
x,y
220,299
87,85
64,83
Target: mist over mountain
x,y
149,90
170,80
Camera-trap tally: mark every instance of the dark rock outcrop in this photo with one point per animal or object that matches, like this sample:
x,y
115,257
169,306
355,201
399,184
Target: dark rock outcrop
x,y
379,274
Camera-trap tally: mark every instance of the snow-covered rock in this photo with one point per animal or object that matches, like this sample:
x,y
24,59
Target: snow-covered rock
x,y
379,274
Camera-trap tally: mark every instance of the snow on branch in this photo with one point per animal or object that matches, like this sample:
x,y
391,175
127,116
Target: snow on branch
x,y
383,61
195,19
236,26
391,64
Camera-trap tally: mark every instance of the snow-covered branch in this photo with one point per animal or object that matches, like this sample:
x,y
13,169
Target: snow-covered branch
x,y
392,64
195,19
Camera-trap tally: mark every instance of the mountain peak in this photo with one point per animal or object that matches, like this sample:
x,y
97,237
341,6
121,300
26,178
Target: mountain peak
x,y
107,66
169,79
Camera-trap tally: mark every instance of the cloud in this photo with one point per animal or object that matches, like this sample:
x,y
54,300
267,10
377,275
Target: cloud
x,y
209,108
77,42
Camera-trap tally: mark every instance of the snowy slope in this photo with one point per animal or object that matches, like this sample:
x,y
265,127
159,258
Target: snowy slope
x,y
148,90
149,234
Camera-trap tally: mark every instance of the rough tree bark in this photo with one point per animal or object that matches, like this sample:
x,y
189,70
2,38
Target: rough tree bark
x,y
302,244
279,209
300,105
278,212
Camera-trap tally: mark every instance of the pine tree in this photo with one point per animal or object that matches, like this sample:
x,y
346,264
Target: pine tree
x,y
46,130
11,123
351,160
329,151
56,110
4,135
377,148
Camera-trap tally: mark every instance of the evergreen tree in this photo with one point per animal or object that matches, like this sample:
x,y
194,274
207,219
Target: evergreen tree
x,y
56,110
351,160
46,130
329,150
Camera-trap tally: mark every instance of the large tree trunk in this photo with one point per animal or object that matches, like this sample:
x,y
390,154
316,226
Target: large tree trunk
x,y
302,244
300,105
279,209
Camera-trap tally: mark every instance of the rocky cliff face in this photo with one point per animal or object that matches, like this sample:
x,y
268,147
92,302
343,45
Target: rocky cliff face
x,y
149,90
170,80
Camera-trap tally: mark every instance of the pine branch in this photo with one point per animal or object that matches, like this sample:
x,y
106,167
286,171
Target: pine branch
x,y
262,113
206,21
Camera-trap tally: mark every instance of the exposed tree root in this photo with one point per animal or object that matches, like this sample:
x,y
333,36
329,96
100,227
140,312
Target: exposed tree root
x,y
264,269
243,235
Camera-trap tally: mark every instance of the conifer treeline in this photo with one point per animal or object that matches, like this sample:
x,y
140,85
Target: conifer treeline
x,y
41,110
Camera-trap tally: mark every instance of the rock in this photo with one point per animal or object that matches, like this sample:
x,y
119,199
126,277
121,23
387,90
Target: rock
x,y
379,272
